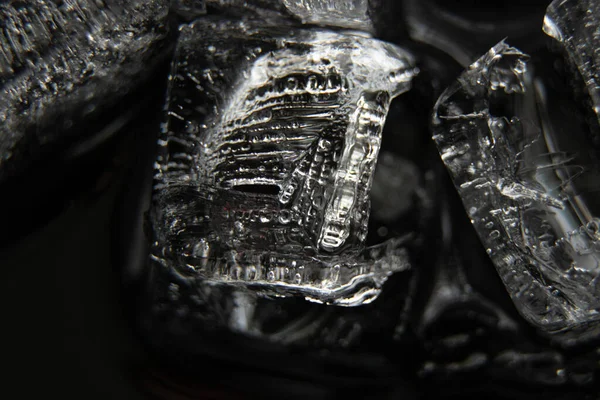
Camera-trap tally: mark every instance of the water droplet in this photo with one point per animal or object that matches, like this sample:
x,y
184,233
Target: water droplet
x,y
285,217
291,84
265,216
324,145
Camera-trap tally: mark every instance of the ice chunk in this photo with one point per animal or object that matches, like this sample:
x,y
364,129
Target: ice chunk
x,y
61,62
267,159
352,14
529,183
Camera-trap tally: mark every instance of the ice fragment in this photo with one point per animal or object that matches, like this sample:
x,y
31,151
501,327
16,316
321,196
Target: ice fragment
x,y
528,184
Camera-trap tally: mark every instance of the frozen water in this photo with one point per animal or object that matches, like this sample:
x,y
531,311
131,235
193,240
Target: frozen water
x,y
62,61
529,183
268,155
350,14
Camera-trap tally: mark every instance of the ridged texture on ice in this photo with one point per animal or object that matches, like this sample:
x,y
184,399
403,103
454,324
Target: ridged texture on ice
x,y
268,156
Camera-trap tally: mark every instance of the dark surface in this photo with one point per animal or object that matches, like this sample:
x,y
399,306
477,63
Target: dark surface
x,y
64,330
67,330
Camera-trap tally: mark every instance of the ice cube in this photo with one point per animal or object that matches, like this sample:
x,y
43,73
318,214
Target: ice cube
x,y
528,176
267,159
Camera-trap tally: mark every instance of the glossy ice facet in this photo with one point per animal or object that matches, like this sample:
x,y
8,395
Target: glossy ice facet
x,y
529,184
268,155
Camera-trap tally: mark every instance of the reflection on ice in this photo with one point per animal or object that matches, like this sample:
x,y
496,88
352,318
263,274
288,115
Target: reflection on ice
x,y
268,156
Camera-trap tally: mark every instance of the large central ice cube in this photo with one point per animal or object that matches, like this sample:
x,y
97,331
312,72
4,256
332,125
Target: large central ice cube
x,y
268,155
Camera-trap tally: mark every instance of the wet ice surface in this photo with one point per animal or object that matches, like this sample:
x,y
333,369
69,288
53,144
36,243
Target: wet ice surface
x,y
268,155
528,183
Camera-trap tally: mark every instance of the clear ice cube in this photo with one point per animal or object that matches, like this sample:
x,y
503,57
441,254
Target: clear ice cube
x,y
529,180
267,159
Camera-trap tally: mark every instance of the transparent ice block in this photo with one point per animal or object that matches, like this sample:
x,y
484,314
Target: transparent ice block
x,y
529,183
267,157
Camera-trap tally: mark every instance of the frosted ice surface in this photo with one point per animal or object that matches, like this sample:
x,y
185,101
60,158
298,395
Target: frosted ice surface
x,y
268,155
530,188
